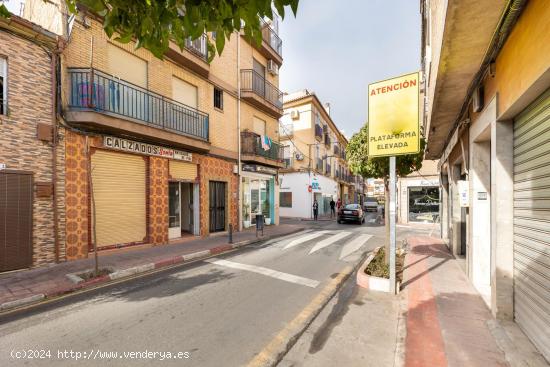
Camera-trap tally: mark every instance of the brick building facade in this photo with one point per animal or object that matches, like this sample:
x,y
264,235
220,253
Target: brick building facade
x,y
27,141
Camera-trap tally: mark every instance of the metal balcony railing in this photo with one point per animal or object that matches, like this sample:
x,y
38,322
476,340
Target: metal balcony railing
x,y
94,90
271,37
327,140
251,81
199,46
319,165
318,131
251,144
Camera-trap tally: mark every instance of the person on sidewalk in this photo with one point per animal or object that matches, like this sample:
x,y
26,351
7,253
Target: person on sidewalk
x,y
315,209
332,208
339,204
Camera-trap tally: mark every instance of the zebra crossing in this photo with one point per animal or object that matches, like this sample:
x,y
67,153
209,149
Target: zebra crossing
x,y
348,241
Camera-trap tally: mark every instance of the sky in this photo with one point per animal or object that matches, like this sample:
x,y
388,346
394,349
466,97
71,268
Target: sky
x,y
336,48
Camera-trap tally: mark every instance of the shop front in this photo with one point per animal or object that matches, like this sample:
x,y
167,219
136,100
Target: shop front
x,y
258,194
121,192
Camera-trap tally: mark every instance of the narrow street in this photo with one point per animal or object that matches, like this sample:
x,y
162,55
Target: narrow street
x,y
222,311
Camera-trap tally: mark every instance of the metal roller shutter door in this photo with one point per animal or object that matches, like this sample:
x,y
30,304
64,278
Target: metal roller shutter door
x,y
532,222
120,197
183,170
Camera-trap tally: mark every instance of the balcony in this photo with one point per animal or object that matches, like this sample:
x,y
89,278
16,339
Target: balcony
x,y
194,55
260,93
319,165
318,132
327,140
272,45
252,150
104,102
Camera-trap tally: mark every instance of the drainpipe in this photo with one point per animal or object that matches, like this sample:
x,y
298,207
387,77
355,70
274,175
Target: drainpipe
x,y
240,206
53,72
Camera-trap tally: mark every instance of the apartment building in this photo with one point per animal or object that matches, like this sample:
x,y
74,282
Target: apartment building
x,y
314,156
28,148
487,122
152,147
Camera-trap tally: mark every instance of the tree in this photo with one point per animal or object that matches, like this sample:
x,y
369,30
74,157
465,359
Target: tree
x,y
154,23
379,167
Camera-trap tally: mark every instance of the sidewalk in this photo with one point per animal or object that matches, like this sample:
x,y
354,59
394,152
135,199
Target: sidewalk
x,y
29,286
437,320
446,317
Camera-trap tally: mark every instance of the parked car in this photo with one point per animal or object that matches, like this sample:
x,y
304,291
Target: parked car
x,y
351,213
370,204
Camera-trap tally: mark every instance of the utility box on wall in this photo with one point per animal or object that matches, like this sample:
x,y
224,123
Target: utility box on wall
x,y
463,193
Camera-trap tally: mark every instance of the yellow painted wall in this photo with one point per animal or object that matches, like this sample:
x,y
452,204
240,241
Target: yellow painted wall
x,y
524,57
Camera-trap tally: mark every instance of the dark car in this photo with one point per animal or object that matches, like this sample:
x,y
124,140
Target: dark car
x,y
351,213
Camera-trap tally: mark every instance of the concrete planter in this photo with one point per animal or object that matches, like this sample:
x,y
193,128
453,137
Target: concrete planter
x,y
370,282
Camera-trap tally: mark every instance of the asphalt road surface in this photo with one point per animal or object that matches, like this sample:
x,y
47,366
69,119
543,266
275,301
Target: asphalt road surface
x,y
219,312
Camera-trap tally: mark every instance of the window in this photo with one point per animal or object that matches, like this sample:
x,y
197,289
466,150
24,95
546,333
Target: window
x,y
3,86
218,98
285,199
184,92
259,126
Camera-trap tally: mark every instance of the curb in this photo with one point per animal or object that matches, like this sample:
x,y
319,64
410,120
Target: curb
x,y
281,344
140,269
370,282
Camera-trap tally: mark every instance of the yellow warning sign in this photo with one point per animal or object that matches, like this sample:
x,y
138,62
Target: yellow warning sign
x,y
394,116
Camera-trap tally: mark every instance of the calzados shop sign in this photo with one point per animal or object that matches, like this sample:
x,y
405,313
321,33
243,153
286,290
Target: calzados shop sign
x,y
394,123
143,148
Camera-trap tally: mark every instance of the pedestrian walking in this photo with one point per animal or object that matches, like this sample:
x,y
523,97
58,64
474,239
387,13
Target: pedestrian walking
x,y
332,208
315,209
339,204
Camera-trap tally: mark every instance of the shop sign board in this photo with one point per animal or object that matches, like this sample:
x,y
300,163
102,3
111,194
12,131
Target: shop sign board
x,y
259,169
394,116
132,146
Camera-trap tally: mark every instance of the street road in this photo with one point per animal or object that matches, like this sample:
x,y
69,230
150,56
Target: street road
x,y
218,312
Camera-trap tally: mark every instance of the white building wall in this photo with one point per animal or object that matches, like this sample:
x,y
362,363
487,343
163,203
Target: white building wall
x,y
302,199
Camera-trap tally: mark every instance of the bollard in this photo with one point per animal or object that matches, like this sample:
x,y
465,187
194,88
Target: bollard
x,y
230,233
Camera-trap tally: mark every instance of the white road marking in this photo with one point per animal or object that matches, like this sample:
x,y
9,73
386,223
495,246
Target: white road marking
x,y
267,272
372,220
329,241
303,239
281,240
354,245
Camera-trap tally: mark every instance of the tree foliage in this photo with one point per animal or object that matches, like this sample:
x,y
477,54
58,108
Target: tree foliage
x,y
153,23
379,167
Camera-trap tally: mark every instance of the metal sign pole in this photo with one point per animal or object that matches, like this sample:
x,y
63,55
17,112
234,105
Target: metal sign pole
x,y
392,224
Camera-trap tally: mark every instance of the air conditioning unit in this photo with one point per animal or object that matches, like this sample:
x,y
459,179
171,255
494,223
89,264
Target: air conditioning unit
x,y
299,157
272,67
295,114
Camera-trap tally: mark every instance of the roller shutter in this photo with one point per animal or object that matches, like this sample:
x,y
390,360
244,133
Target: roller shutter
x,y
532,222
119,192
184,92
183,171
126,66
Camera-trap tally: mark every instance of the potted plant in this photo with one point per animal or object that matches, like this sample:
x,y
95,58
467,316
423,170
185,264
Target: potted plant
x,y
246,215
